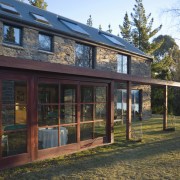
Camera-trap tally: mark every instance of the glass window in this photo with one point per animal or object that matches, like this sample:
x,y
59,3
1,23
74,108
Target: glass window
x,y
8,8
45,42
74,27
112,39
84,55
40,18
11,35
14,117
122,64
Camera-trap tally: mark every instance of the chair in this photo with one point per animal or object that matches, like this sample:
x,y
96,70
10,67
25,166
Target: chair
x,y
5,141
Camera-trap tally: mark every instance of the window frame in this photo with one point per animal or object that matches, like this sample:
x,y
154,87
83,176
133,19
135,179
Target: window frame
x,y
93,60
51,42
20,35
128,65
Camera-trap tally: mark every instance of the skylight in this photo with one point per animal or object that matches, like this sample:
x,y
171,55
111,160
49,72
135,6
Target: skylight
x,y
8,8
74,27
113,40
40,18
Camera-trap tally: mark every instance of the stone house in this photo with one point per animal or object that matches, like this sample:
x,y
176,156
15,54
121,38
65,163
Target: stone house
x,y
63,84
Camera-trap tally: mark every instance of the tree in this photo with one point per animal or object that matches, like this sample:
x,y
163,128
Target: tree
x,y
10,37
109,30
39,3
141,29
126,29
89,21
168,43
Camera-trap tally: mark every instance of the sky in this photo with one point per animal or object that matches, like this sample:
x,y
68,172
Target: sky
x,y
112,12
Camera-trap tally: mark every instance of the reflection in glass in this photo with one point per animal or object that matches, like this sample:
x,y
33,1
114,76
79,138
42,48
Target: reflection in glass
x,y
99,129
100,94
14,143
86,112
86,131
68,93
83,55
100,111
45,42
87,94
122,64
47,115
48,93
12,35
68,114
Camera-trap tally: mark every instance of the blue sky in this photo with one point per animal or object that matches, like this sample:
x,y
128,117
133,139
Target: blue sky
x,y
112,12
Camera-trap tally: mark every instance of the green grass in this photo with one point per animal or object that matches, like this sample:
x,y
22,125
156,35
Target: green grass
x,y
157,156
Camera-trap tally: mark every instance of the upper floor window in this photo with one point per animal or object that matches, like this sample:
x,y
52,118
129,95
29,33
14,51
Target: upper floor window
x,y
11,35
45,42
122,64
83,55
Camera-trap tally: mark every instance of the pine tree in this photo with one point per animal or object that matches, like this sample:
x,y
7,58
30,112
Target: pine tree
x,y
142,29
109,30
89,21
39,3
126,29
10,35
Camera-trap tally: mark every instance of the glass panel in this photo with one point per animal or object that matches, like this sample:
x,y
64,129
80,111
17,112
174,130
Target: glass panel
x,y
12,35
86,131
135,104
68,114
8,8
47,115
83,55
47,138
125,64
68,93
100,111
86,112
40,18
99,129
68,135
100,94
74,27
14,143
87,94
14,99
48,93
122,64
113,40
45,42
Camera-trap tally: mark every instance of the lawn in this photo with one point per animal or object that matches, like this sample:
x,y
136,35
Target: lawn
x,y
157,156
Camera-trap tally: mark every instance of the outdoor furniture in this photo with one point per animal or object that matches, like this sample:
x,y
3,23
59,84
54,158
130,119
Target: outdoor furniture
x,y
49,137
5,142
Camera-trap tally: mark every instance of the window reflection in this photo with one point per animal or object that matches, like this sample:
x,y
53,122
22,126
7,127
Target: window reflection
x,y
45,42
122,62
12,35
14,117
84,55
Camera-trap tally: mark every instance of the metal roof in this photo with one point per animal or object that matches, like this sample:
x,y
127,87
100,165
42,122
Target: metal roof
x,y
56,24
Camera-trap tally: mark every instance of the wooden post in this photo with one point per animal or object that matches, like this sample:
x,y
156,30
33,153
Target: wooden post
x,y
110,110
128,121
165,107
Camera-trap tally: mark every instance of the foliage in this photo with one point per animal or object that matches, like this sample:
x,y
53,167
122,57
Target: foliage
x,y
10,37
168,43
109,29
126,29
39,3
89,21
140,30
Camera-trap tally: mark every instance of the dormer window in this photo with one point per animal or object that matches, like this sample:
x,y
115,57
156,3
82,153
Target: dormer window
x,y
8,8
11,35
